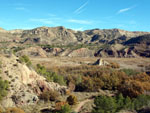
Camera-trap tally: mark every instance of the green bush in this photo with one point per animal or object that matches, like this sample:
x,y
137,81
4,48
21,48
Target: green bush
x,y
105,104
58,79
50,76
141,101
65,109
41,69
130,72
25,59
4,85
123,103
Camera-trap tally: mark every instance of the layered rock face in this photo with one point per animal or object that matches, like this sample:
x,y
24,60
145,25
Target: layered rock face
x,y
33,51
25,83
60,38
63,36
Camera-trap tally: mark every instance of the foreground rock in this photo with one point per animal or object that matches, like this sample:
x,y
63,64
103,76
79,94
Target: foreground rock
x,y
25,83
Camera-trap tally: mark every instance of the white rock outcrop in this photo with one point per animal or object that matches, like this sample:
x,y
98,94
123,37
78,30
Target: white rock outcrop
x,y
25,83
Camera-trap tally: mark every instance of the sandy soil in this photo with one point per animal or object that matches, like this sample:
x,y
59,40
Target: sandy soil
x,y
131,63
79,106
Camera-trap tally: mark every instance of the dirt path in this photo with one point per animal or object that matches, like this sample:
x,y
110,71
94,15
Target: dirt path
x,y
79,106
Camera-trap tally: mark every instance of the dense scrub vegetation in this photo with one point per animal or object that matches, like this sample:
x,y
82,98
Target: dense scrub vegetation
x,y
50,75
130,84
105,104
4,85
92,78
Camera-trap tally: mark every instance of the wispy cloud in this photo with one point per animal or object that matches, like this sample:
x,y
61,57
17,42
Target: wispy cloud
x,y
125,9
80,9
79,21
78,29
22,9
44,21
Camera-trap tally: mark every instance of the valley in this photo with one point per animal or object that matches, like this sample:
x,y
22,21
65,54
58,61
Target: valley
x,y
59,70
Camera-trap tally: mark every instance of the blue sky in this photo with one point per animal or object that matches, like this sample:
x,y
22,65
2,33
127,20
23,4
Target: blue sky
x,y
132,15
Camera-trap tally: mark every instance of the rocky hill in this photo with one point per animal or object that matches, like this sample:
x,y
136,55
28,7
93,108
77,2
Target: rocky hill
x,y
98,42
25,85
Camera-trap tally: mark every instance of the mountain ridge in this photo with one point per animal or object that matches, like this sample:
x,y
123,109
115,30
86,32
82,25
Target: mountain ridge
x,y
103,42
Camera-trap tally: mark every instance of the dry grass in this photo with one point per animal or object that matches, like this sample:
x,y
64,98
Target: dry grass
x,y
131,63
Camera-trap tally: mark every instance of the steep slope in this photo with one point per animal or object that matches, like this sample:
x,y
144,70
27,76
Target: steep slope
x,y
46,35
63,36
143,39
100,42
140,45
111,35
25,83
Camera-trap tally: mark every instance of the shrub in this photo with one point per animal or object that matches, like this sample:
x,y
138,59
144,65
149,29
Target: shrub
x,y
72,100
41,69
89,84
14,110
4,85
131,88
104,104
50,76
114,65
49,96
59,79
25,59
65,109
130,72
58,105
141,101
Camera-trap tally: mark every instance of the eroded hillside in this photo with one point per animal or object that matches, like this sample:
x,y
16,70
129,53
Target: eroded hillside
x,y
59,41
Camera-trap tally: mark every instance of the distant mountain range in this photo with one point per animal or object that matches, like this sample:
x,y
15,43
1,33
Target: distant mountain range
x,y
104,43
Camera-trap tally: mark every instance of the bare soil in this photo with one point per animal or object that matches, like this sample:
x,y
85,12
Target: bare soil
x,y
129,63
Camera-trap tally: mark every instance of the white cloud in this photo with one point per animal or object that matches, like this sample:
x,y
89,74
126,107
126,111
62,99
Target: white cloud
x,y
79,21
45,21
79,10
21,9
125,9
78,29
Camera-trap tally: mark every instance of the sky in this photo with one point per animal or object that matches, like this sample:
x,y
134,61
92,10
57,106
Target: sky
x,y
131,15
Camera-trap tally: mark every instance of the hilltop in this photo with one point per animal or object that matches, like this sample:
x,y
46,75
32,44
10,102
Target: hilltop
x,y
60,41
